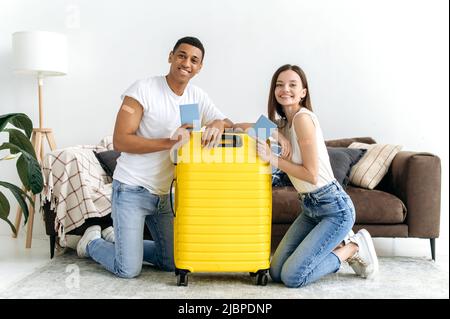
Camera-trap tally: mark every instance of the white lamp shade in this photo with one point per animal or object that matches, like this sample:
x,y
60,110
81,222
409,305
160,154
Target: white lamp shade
x,y
40,53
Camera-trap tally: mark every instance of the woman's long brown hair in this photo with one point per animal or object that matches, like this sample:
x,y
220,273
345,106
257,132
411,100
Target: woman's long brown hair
x,y
274,107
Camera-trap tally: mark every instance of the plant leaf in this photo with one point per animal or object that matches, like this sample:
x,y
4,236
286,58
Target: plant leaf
x,y
4,211
30,173
20,196
19,120
4,206
34,174
7,145
27,164
19,139
22,169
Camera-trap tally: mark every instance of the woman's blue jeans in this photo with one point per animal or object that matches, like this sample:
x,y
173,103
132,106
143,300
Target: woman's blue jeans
x,y
132,208
305,253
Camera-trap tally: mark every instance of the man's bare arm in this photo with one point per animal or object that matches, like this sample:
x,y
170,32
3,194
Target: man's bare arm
x,y
127,123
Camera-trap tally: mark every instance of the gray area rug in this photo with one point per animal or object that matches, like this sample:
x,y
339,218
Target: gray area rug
x,y
67,276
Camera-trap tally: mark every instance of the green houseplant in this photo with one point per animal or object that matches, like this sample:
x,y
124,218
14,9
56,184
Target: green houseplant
x,y
28,168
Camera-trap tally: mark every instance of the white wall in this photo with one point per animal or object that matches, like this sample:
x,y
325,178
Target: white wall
x,y
376,68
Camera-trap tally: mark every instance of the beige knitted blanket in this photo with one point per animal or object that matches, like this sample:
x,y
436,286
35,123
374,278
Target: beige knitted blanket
x,y
76,185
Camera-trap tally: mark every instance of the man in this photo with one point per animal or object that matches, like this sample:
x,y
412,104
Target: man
x,y
147,127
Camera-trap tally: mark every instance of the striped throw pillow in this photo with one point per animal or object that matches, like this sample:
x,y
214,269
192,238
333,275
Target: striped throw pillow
x,y
372,167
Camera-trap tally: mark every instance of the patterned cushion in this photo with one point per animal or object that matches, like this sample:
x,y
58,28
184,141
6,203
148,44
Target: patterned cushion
x,y
372,167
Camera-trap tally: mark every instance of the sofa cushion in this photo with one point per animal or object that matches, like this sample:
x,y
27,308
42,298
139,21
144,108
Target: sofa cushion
x,y
376,207
372,206
342,160
108,160
374,165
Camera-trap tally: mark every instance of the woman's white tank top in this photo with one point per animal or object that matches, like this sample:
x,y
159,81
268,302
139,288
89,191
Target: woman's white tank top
x,y
325,171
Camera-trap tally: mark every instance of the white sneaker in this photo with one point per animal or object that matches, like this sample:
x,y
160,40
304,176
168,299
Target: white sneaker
x,y
108,234
91,233
365,261
348,236
71,241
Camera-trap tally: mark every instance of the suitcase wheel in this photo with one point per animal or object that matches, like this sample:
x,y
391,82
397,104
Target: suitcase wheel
x,y
260,277
182,277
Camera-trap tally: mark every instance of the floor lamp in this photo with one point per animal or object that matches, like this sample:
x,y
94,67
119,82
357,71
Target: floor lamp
x,y
40,54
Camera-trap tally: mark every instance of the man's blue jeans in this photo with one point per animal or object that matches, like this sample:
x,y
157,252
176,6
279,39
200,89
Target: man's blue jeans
x,y
132,208
305,253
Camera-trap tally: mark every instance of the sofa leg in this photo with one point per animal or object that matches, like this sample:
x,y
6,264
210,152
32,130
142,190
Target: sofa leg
x,y
433,248
52,245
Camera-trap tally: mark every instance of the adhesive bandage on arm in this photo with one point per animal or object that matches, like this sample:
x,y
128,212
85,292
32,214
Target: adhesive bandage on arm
x,y
128,109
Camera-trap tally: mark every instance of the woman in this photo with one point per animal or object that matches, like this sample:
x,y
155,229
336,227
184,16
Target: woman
x,y
314,245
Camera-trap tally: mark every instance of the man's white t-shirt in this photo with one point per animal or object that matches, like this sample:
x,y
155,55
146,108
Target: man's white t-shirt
x,y
160,119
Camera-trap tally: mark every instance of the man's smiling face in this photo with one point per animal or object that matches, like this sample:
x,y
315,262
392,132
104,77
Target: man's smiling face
x,y
185,62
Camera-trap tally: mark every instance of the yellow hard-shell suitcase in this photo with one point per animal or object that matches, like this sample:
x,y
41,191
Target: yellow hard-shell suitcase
x,y
223,208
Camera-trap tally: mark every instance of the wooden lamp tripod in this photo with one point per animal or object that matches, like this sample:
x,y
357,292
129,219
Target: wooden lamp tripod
x,y
37,140
41,54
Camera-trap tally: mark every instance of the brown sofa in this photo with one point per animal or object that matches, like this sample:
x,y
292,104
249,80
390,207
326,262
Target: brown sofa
x,y
405,204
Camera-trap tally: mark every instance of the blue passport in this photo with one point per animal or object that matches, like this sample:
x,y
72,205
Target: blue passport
x,y
189,114
262,129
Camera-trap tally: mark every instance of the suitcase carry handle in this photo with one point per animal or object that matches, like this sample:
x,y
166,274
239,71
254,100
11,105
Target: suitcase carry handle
x,y
170,197
230,141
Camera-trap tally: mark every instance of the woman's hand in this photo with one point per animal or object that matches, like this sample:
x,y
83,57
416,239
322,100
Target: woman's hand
x,y
286,147
264,151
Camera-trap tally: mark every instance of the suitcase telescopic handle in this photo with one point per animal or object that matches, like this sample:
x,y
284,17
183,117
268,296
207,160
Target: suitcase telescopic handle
x,y
230,141
171,196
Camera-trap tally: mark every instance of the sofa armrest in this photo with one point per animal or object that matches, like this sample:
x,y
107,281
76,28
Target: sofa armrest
x,y
415,178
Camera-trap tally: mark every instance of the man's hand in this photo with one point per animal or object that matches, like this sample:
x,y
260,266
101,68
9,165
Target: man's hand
x,y
212,135
181,135
242,127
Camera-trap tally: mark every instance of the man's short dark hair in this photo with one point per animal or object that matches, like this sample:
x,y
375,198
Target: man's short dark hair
x,y
191,41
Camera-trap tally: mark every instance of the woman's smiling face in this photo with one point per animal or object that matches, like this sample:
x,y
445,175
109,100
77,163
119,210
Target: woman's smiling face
x,y
289,88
